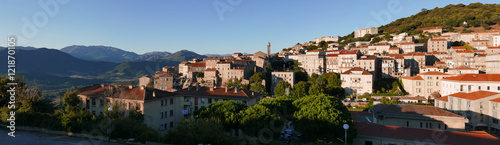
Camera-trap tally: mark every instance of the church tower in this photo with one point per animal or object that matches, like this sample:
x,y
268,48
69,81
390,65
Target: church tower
x,y
268,49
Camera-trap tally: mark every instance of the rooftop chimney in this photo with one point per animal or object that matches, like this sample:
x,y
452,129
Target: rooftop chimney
x,y
102,85
253,94
211,88
235,90
154,95
226,89
130,87
142,87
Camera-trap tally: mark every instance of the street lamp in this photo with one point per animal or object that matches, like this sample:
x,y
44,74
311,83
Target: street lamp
x,y
109,131
346,126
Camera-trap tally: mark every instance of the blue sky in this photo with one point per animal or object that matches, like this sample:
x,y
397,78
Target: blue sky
x,y
172,25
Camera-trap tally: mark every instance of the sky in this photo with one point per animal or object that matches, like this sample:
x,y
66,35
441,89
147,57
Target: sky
x,y
204,26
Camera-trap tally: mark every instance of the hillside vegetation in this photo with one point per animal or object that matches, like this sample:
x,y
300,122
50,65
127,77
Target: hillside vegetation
x,y
475,14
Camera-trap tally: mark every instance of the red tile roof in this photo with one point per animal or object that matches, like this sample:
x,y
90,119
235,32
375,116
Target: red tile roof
x,y
348,52
394,48
493,47
439,40
465,68
357,69
445,98
475,77
332,55
417,77
473,95
211,69
458,47
496,100
219,92
413,110
199,64
433,73
426,135
124,92
465,51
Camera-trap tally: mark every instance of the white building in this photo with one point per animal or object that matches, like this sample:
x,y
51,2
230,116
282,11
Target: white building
x,y
357,81
362,32
469,83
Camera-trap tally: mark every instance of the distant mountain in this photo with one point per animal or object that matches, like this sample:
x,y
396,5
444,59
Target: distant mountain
x,y
54,62
100,53
184,55
21,48
217,55
135,69
152,56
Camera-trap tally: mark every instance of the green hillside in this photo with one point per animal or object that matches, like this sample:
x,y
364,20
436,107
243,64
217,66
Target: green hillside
x,y
475,14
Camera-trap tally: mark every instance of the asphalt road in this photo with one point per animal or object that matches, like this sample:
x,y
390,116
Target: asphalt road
x,y
36,138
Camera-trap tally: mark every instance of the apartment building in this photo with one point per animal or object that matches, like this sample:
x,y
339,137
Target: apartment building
x,y
414,61
462,70
493,50
157,106
347,59
394,50
277,77
475,106
495,40
492,63
163,80
437,45
433,30
357,81
369,63
470,83
145,80
313,62
418,116
332,63
423,84
379,48
362,32
326,39
388,69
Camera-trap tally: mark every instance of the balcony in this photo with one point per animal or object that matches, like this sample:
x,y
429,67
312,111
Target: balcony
x,y
185,112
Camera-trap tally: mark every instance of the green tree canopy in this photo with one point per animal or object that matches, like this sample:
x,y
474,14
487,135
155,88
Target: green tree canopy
x,y
224,111
71,98
256,78
316,89
321,116
258,87
280,89
196,131
300,90
256,118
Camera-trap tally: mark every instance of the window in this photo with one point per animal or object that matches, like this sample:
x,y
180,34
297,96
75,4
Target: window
x,y
368,143
429,83
171,113
171,101
202,100
101,102
429,90
481,105
161,102
439,125
171,124
165,114
186,99
468,104
418,90
93,101
209,100
407,124
479,87
161,113
488,88
437,83
421,125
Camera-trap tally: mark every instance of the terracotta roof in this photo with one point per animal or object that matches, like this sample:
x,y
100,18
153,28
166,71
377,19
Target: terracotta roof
x,y
417,77
465,51
332,55
414,53
219,92
360,114
315,51
479,40
438,40
433,73
211,69
493,47
440,62
474,95
199,64
394,48
124,92
488,32
147,76
163,75
425,135
445,98
348,52
413,110
213,58
407,43
357,69
475,77
458,47
368,57
238,68
465,68
496,100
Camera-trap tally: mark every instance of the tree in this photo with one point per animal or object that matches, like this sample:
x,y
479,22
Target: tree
x,y
384,101
280,89
322,117
256,77
224,111
394,102
369,105
71,98
258,87
300,90
315,89
196,131
200,75
256,118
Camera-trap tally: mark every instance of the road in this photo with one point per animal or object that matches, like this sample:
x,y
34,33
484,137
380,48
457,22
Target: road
x,y
36,138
